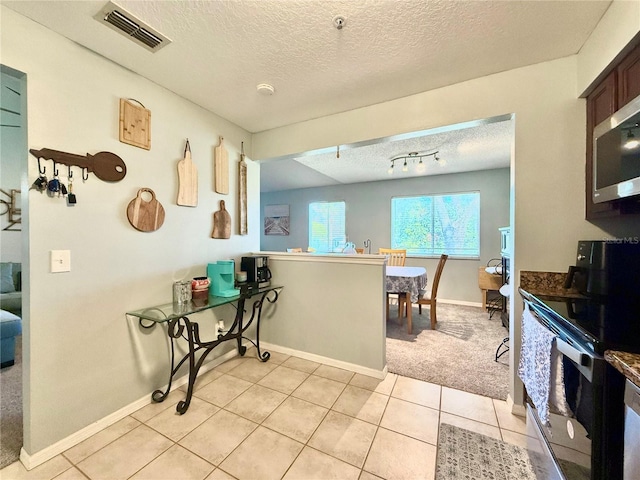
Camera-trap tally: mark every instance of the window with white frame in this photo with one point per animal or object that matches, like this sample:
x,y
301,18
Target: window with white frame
x,y
327,226
435,224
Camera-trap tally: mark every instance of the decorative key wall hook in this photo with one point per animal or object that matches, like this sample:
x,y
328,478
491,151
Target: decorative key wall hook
x,y
106,166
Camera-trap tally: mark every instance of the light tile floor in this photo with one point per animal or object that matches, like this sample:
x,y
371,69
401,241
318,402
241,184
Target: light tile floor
x,y
287,419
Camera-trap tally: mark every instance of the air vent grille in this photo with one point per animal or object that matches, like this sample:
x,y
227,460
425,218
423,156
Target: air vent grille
x,y
123,22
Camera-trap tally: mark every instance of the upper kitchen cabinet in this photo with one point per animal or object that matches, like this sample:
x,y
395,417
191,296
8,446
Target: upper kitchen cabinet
x,y
616,90
601,104
629,78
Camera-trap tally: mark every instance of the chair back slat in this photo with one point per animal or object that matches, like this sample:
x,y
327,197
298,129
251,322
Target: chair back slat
x,y
395,257
438,274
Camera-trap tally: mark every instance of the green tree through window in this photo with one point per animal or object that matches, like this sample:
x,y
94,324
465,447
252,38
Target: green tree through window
x,y
436,224
326,225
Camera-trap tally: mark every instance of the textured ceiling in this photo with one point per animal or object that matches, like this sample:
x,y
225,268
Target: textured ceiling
x,y
222,49
461,148
388,49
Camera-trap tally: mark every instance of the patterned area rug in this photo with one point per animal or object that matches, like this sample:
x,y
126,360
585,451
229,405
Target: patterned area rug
x,y
463,454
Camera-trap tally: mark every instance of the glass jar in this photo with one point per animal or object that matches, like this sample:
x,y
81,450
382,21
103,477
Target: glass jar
x,y
182,292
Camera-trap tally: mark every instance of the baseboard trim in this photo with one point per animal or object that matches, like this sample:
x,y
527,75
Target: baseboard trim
x,y
515,409
31,461
460,302
352,367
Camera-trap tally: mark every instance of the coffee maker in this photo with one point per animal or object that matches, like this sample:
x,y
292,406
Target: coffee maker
x,y
257,268
606,269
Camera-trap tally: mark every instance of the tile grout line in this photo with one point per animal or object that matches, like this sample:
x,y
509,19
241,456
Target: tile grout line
x,y
289,395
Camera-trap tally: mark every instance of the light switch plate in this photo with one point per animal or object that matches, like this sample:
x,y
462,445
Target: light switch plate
x,y
60,261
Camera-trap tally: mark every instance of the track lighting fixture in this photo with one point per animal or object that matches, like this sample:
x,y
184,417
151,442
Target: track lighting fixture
x,y
416,158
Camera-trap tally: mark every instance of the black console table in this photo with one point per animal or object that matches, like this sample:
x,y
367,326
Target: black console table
x,y
180,326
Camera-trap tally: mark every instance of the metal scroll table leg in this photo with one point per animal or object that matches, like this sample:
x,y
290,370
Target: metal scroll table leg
x,y
256,313
176,329
183,405
239,316
159,395
505,344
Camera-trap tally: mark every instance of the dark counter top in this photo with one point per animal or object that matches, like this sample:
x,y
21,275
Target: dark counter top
x,y
547,284
626,363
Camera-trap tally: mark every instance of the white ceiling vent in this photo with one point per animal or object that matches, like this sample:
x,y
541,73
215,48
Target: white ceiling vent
x,y
123,22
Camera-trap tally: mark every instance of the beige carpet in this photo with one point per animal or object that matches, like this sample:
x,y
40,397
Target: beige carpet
x,y
459,353
11,409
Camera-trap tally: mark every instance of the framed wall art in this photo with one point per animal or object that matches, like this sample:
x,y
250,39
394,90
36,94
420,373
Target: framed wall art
x,y
276,220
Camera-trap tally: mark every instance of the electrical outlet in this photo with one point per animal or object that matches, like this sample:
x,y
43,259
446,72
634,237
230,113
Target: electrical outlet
x,y
60,261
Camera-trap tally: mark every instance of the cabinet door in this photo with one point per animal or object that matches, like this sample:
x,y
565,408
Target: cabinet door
x,y
601,103
629,77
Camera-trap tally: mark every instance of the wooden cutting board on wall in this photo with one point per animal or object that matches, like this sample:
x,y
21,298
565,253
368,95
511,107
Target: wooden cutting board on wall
x,y
221,223
187,180
143,215
221,168
242,193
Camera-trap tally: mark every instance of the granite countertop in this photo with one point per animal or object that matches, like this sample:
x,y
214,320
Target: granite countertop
x,y
626,363
547,285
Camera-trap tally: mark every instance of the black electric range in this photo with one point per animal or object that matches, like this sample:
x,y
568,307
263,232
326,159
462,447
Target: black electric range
x,y
595,323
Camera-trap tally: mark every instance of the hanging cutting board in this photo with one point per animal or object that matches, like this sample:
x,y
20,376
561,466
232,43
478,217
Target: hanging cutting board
x,y
221,223
143,215
221,168
242,193
187,180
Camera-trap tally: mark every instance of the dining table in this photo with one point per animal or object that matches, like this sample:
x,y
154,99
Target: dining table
x,y
408,282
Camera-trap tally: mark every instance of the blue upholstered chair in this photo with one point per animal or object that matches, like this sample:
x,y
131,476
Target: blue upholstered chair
x,y
10,326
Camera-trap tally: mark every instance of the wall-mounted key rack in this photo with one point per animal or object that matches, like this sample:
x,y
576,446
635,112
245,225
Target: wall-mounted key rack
x,y
106,166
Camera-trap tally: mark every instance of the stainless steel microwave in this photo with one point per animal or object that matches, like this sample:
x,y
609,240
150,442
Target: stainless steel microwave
x,y
616,155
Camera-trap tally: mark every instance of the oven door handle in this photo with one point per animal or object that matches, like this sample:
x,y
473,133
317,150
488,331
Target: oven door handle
x,y
572,353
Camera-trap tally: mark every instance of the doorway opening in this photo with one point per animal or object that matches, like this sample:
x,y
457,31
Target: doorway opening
x,y
13,259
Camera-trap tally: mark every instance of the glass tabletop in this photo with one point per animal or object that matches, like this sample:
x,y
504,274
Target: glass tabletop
x,y
171,311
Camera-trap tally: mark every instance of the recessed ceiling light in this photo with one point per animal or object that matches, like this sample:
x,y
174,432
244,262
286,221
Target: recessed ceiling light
x,y
265,89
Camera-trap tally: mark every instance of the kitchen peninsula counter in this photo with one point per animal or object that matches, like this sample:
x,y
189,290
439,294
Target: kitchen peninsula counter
x,y
334,310
626,363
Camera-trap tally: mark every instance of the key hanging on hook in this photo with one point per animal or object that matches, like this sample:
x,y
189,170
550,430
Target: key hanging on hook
x,y
71,197
41,182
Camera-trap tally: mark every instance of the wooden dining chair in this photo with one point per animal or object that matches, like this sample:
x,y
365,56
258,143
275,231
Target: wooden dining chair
x,y
432,298
395,256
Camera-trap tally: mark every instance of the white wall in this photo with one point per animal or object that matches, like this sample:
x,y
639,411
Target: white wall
x,y
547,171
368,216
84,358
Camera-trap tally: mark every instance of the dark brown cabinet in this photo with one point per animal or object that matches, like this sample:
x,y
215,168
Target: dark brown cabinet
x,y
617,89
601,103
629,78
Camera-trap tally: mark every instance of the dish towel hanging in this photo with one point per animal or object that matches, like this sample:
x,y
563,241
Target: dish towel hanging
x,y
534,368
557,392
